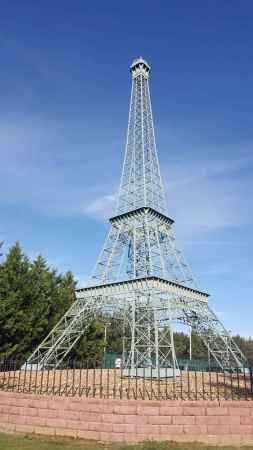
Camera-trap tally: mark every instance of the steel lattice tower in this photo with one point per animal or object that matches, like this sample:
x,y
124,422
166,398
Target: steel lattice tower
x,y
141,276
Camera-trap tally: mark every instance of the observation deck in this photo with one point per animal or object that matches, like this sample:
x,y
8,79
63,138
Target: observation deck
x,y
140,67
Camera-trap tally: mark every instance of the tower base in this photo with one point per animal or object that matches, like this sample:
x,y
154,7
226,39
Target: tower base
x,y
147,372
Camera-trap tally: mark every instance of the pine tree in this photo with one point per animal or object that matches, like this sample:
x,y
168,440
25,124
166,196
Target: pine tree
x,y
32,300
14,300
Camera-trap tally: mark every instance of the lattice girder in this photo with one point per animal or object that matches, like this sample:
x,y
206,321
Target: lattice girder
x,y
158,305
141,183
145,239
206,324
140,267
66,333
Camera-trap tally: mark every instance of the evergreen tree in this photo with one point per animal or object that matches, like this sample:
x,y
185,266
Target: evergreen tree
x,y
246,346
91,344
32,300
181,342
14,304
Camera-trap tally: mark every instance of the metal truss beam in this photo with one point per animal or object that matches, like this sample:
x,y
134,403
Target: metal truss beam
x,y
141,276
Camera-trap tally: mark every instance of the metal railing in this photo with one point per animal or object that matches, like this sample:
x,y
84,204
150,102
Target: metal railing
x,y
90,379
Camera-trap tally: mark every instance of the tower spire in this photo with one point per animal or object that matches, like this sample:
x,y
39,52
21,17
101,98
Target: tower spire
x,y
141,183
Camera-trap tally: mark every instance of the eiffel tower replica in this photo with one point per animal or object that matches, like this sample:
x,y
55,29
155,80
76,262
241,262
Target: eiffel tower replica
x,y
141,277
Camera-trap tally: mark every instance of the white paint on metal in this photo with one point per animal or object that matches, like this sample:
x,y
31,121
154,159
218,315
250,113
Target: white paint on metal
x,y
141,277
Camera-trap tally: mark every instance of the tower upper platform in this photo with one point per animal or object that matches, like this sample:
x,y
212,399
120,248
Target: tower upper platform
x,y
139,66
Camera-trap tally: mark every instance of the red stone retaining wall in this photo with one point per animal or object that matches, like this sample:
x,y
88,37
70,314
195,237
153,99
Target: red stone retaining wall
x,y
225,422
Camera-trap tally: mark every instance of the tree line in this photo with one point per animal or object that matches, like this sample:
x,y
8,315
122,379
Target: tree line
x,y
33,297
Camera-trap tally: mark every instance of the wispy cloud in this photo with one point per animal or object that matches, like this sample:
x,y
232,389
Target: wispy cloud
x,y
101,207
214,242
40,169
205,194
196,171
211,195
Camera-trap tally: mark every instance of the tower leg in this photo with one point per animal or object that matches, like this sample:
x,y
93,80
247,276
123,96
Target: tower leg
x,y
173,352
151,345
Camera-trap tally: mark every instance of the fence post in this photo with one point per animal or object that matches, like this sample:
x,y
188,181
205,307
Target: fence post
x,y
114,382
121,378
36,378
251,382
19,375
74,377
9,374
203,385
166,381
47,383
3,371
93,378
196,385
41,379
245,384
218,386
14,374
173,381
80,377
101,381
238,382
181,384
231,385
24,379
128,383
151,380
53,387
136,381
60,378
224,383
210,385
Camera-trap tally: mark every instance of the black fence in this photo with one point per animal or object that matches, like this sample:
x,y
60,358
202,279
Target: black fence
x,y
91,379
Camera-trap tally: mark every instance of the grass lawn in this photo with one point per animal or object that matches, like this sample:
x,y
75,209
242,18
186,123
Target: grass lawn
x,y
18,442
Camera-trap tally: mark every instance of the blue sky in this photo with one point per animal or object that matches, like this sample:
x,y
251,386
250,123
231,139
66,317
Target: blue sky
x,y
65,87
